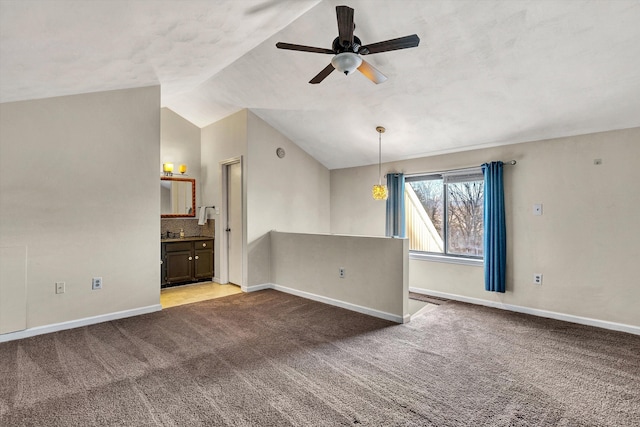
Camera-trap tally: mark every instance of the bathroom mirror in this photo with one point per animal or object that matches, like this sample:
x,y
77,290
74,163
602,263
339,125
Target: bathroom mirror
x,y
177,197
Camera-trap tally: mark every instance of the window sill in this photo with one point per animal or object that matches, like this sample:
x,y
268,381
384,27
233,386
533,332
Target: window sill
x,y
446,259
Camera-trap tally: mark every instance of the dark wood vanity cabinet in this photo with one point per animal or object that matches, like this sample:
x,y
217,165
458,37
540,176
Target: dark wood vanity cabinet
x,y
203,260
186,260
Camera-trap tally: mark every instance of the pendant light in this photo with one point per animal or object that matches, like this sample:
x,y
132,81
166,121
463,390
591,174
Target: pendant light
x,y
379,191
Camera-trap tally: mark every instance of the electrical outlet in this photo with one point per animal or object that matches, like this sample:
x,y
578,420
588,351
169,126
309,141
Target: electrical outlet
x,y
342,272
96,283
537,278
59,287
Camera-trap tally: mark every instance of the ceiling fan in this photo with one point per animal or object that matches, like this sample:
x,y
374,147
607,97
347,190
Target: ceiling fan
x,y
347,49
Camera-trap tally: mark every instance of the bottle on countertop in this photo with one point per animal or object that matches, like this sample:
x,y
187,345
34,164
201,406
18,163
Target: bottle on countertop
x,y
182,233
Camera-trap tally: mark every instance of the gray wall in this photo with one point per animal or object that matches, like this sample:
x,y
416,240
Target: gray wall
x,y
180,144
289,194
375,280
79,190
284,194
220,141
585,244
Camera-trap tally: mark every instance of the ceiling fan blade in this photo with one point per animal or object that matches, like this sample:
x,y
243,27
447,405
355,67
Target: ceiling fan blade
x,y
372,73
298,47
345,25
393,44
322,74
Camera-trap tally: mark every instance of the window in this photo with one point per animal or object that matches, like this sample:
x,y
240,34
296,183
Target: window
x,y
444,213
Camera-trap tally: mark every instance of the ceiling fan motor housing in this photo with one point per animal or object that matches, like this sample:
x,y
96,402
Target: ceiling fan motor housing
x,y
347,59
353,47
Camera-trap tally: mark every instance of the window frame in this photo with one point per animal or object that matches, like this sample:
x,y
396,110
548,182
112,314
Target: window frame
x,y
447,177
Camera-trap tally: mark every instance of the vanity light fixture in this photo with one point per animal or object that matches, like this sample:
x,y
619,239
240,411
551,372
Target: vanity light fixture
x,y
379,191
167,168
183,169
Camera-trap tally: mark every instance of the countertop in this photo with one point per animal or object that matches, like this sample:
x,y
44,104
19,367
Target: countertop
x,y
186,239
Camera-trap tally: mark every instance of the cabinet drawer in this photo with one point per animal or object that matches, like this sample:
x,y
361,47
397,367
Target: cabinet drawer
x,y
178,246
204,244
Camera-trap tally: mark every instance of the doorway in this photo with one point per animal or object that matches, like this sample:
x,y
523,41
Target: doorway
x,y
232,226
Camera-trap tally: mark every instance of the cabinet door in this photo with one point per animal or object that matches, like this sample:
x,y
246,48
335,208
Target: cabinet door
x,y
203,263
163,265
163,272
179,266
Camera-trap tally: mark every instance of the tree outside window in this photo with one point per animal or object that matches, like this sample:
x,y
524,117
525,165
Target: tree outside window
x,y
453,207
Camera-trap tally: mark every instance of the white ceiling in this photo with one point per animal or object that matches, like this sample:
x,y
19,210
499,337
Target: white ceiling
x,y
485,73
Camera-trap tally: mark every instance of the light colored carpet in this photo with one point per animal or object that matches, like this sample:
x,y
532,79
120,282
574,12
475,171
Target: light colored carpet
x,y
272,359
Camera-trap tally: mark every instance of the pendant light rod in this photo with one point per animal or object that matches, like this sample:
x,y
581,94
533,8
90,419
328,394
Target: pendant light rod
x,y
380,130
379,191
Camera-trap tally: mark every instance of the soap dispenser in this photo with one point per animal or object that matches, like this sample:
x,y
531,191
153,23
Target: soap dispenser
x,y
182,233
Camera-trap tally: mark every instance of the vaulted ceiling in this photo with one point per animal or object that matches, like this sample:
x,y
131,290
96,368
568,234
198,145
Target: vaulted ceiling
x,y
485,72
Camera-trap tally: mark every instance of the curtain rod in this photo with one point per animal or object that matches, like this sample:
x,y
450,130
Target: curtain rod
x,y
507,163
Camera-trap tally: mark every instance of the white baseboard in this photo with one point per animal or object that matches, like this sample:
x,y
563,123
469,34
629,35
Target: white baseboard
x,y
534,311
46,329
259,287
338,303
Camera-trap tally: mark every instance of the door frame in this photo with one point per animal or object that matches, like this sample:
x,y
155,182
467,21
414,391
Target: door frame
x,y
224,210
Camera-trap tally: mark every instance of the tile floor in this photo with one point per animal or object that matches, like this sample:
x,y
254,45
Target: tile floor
x,y
187,294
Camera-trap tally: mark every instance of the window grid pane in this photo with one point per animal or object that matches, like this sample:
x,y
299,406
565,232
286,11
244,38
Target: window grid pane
x,y
424,207
465,206
445,218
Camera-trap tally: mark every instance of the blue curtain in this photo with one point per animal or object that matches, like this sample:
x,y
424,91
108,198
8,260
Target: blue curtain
x,y
395,205
495,231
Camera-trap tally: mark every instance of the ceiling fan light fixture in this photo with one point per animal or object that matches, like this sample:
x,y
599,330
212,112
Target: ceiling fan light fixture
x,y
346,62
